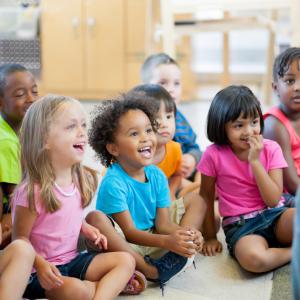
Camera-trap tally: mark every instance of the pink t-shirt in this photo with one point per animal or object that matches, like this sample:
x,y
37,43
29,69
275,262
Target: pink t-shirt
x,y
236,186
54,236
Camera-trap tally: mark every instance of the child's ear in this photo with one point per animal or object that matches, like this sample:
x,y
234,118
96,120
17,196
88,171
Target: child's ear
x,y
112,149
274,87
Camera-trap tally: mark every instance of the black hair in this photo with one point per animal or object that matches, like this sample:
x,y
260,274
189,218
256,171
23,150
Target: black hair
x,y
152,62
227,105
155,94
283,61
105,122
7,69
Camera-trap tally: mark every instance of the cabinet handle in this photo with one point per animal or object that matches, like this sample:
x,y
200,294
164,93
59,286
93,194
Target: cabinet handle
x,y
75,23
75,26
91,22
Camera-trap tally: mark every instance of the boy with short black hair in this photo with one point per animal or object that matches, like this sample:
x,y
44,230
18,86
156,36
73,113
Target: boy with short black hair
x,y
18,90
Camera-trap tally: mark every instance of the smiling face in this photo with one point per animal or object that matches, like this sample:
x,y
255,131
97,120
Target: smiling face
x,y
239,131
134,142
67,136
288,88
19,92
168,76
166,122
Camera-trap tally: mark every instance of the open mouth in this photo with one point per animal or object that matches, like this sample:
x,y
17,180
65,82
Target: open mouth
x,y
245,140
79,146
145,152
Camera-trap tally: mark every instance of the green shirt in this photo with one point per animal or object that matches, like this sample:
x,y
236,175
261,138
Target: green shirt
x,y
10,167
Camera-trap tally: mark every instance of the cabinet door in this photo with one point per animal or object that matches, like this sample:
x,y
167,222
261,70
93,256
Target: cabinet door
x,y
62,45
105,44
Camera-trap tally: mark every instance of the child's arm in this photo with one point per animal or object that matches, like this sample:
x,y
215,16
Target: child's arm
x,y
188,165
269,184
48,275
275,130
174,185
207,191
176,242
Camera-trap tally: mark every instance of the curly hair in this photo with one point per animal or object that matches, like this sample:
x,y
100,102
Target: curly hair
x,y
105,122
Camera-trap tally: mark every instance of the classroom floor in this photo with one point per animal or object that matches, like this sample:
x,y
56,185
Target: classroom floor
x,y
215,278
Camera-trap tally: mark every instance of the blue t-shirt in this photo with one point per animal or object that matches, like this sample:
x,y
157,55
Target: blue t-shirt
x,y
119,192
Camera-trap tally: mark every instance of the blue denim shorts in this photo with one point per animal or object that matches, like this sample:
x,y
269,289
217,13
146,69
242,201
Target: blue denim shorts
x,y
264,224
289,200
75,268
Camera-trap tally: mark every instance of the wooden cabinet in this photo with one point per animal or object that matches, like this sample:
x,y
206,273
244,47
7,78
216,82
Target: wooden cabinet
x,y
92,49
82,46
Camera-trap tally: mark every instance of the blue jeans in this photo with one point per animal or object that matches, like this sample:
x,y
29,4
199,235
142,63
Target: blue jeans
x,y
75,268
296,250
263,224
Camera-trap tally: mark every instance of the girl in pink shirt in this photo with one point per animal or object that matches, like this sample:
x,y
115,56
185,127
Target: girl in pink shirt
x,y
48,208
247,173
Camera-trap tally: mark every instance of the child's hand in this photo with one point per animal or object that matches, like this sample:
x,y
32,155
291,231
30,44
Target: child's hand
x,y
92,233
48,275
211,247
256,145
181,242
188,165
198,240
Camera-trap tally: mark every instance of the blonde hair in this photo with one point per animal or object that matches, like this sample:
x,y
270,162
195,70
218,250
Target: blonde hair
x,y
36,165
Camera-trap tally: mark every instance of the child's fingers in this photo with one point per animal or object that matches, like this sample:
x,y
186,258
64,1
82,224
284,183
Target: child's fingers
x,y
57,278
103,242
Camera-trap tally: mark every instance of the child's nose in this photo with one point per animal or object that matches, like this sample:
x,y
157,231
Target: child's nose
x,y
31,97
297,85
247,130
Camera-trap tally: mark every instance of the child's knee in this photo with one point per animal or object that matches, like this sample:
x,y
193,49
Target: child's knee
x,y
126,259
96,217
194,201
254,262
23,249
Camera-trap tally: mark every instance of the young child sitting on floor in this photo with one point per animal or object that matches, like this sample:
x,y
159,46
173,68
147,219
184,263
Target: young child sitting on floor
x,y
282,122
160,235
48,208
247,172
18,90
163,70
16,262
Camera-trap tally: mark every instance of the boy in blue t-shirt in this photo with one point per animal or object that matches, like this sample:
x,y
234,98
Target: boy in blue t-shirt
x,y
135,194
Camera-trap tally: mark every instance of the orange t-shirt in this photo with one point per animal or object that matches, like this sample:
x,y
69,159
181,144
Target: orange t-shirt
x,y
172,160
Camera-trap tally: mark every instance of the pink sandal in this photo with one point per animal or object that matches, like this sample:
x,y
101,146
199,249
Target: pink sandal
x,y
131,289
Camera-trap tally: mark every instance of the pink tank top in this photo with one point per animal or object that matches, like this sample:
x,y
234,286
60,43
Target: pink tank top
x,y
294,138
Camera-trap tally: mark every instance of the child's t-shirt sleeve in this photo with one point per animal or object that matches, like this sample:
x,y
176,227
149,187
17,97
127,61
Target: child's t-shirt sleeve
x,y
276,158
10,170
112,195
207,164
